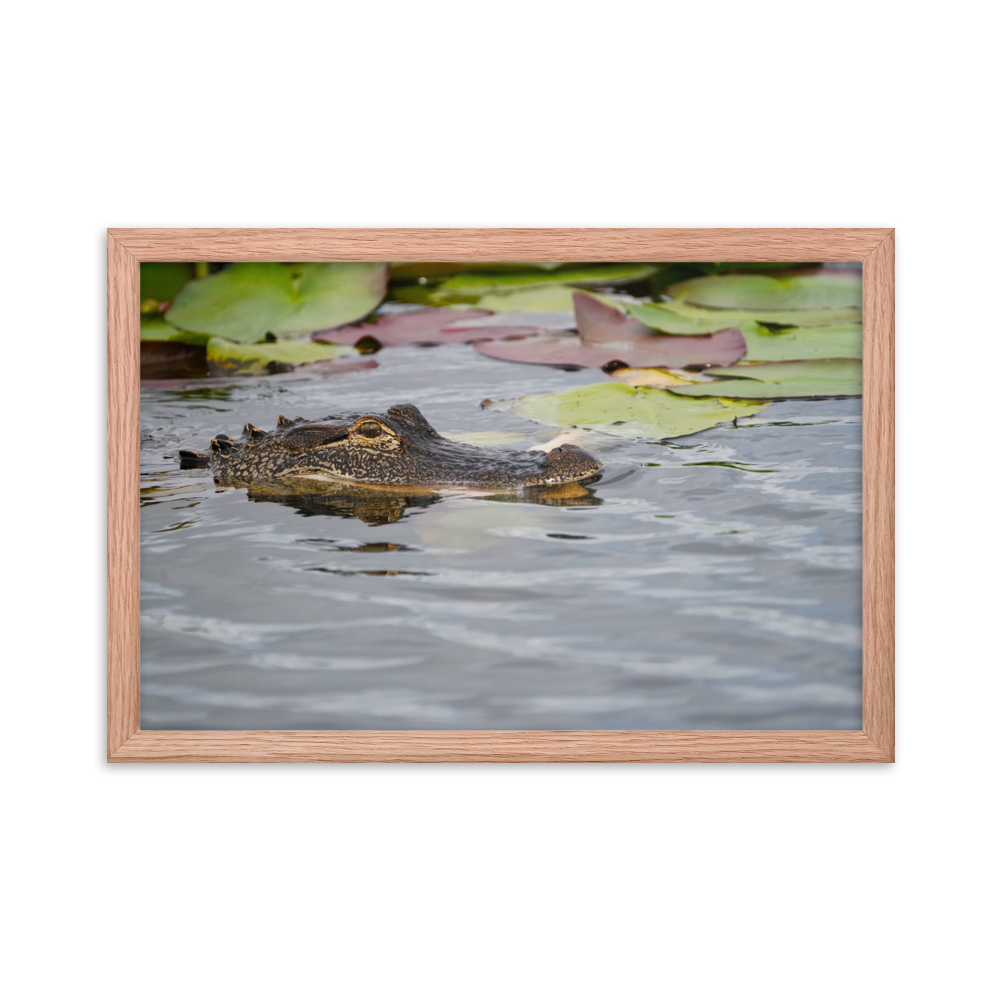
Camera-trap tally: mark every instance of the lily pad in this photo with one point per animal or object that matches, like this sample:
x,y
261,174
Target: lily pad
x,y
288,300
837,377
422,326
546,298
437,270
155,328
472,283
228,358
759,291
656,378
564,350
802,343
568,350
607,334
785,317
162,280
601,323
537,322
629,412
665,320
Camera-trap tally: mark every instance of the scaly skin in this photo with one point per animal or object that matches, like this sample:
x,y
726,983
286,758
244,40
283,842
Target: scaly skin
x,y
396,448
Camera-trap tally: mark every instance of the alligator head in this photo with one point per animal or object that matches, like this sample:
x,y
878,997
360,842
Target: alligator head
x,y
395,448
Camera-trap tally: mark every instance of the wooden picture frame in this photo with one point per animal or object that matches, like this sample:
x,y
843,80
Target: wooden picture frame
x,y
874,742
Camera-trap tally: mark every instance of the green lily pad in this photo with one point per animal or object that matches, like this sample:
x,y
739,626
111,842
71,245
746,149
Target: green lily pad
x,y
228,358
546,298
759,291
436,270
479,283
735,317
288,300
155,328
659,317
802,343
162,280
781,380
774,337
629,412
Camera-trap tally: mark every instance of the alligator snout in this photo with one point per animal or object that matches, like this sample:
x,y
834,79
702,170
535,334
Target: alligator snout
x,y
568,463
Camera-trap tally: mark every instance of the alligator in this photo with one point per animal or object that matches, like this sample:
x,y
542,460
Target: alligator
x,y
395,448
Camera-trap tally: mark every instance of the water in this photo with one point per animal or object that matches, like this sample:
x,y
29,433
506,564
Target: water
x,y
681,595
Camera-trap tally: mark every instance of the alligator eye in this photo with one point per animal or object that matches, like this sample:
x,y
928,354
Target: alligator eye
x,y
370,429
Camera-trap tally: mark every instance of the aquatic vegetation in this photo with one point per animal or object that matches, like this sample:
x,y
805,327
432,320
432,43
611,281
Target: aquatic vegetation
x,y
761,291
608,335
423,326
818,379
228,358
248,301
263,319
624,411
801,343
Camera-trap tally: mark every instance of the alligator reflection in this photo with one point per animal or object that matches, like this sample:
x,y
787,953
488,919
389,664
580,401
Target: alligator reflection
x,y
375,506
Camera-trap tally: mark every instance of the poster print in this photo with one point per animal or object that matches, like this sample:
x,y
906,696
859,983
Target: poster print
x,y
538,496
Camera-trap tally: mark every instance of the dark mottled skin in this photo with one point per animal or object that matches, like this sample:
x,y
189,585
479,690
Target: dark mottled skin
x,y
396,448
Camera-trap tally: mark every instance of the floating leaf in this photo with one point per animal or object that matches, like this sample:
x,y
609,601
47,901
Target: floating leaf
x,y
619,409
155,328
601,323
656,378
736,317
565,350
802,343
471,283
537,322
162,280
782,380
547,298
228,358
665,320
435,271
758,291
568,350
422,326
288,300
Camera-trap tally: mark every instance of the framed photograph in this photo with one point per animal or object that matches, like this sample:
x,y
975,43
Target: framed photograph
x,y
500,495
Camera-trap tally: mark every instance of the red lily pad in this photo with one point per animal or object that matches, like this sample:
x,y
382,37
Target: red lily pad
x,y
536,322
608,335
423,326
600,323
502,326
567,349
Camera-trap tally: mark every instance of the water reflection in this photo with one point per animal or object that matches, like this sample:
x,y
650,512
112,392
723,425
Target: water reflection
x,y
386,505
372,506
564,495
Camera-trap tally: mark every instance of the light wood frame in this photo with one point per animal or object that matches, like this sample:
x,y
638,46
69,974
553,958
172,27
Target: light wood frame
x,y
874,742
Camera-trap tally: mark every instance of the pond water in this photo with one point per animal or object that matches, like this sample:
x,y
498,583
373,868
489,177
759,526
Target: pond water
x,y
712,582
